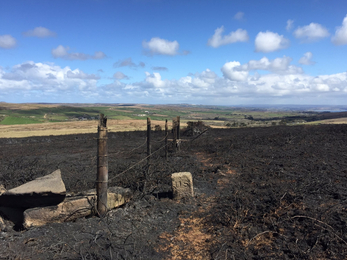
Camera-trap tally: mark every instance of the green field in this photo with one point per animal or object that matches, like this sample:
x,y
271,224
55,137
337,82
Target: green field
x,y
71,113
12,120
13,114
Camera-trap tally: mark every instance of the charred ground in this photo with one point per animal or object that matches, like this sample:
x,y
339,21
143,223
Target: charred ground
x,y
261,193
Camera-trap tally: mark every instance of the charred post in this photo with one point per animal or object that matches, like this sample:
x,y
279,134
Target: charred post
x,y
148,140
102,167
174,130
166,145
178,133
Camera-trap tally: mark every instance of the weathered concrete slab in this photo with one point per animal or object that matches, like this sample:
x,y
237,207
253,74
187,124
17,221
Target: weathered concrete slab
x,y
182,185
2,224
76,206
2,189
43,191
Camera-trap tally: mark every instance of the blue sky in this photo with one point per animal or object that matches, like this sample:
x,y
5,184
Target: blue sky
x,y
219,52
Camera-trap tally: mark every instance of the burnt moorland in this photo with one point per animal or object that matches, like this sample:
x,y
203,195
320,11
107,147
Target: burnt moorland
x,y
260,193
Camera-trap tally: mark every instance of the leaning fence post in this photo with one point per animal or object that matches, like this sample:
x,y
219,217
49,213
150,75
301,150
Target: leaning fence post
x,y
102,167
166,146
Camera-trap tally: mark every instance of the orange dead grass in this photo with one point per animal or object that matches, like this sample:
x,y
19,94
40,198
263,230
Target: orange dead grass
x,y
74,127
188,242
342,120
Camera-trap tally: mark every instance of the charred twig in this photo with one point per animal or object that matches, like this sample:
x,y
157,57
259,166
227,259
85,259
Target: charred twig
x,y
262,233
199,135
323,227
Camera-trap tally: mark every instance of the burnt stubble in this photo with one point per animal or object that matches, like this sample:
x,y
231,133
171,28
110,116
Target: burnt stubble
x,y
260,193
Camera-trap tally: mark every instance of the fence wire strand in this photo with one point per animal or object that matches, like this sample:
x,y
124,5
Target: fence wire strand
x,y
131,150
138,162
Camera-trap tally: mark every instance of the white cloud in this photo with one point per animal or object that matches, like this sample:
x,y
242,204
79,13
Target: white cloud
x,y
237,72
63,52
282,82
7,41
311,32
207,76
158,46
60,51
200,81
217,39
289,24
239,15
208,87
154,79
40,32
128,62
120,75
78,74
40,79
277,65
270,41
306,59
340,37
230,71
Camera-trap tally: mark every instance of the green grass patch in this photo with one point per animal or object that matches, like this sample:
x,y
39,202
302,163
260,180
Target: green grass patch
x,y
11,120
121,117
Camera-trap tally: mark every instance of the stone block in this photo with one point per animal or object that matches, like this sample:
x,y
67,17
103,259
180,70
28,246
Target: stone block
x,y
2,189
76,206
43,191
182,185
2,224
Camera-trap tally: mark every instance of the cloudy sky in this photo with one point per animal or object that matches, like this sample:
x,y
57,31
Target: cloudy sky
x,y
221,52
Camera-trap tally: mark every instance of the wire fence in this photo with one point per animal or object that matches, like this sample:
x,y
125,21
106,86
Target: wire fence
x,y
76,156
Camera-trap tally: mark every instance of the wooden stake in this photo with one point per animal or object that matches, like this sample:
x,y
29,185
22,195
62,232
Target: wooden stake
x,y
148,139
178,133
102,167
166,146
174,129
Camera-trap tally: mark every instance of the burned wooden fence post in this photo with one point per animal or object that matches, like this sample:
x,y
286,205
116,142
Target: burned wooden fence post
x,y
178,133
166,146
148,140
174,129
102,167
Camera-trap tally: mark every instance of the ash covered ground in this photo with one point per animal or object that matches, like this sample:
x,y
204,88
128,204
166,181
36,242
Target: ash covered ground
x,y
260,193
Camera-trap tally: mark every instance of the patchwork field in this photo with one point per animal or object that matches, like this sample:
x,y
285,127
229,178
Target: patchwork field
x,y
23,120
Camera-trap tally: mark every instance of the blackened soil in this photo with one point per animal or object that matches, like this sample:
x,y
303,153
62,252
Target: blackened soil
x,y
260,193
